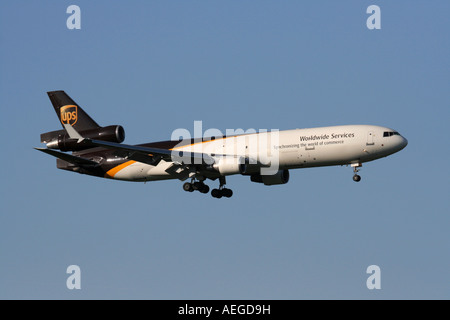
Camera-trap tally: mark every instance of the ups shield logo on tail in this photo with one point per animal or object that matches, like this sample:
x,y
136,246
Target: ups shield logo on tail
x,y
69,114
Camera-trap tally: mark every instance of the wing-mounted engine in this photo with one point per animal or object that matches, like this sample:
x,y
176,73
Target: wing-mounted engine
x,y
280,177
60,139
230,165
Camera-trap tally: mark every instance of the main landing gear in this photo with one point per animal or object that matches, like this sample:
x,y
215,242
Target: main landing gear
x,y
356,176
222,191
203,188
198,185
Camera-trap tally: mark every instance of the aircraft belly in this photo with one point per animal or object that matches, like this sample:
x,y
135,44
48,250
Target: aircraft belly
x,y
138,171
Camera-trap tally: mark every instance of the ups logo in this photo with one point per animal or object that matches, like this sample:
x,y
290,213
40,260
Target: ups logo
x,y
69,114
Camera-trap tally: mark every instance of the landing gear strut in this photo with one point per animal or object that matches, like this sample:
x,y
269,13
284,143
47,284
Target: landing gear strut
x,y
222,191
356,177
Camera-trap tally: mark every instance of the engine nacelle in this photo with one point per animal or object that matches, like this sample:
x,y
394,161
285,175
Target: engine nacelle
x,y
62,141
228,166
280,177
109,133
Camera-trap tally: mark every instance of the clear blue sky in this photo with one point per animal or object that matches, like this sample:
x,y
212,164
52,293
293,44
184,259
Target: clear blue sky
x,y
154,66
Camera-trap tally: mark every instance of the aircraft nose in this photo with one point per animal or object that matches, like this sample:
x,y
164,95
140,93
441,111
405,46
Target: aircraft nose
x,y
404,142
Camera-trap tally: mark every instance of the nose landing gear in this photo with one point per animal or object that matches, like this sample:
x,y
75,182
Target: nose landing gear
x,y
356,176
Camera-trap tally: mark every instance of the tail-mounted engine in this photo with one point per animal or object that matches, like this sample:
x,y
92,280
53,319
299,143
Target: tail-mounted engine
x,y
61,140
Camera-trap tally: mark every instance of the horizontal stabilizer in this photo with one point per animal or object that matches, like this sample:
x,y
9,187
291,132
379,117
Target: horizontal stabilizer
x,y
69,158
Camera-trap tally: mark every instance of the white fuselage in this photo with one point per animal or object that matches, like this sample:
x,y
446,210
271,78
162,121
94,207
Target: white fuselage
x,y
289,149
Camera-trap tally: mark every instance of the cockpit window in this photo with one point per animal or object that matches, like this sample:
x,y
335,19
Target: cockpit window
x,y
390,133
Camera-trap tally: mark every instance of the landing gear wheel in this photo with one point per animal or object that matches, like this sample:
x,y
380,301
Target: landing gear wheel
x,y
204,188
188,187
222,191
356,178
227,193
197,185
216,193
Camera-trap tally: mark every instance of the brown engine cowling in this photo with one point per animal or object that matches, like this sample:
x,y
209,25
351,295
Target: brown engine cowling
x,y
61,140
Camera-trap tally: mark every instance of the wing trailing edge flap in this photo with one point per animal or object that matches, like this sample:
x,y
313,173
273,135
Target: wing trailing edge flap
x,y
179,171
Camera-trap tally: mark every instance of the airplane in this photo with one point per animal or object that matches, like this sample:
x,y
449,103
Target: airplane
x,y
88,148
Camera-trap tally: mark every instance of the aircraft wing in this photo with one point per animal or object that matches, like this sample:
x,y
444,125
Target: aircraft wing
x,y
143,154
152,156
